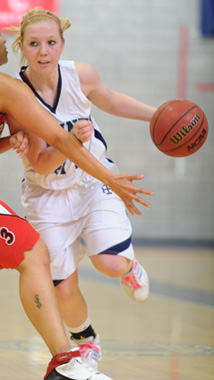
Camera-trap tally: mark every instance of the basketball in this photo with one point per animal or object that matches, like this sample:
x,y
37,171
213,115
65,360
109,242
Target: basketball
x,y
179,128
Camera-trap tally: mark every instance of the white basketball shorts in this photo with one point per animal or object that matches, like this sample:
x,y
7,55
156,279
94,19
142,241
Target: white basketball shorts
x,y
90,211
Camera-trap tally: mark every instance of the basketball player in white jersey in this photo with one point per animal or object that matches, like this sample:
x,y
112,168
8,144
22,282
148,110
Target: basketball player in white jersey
x,y
60,200
21,248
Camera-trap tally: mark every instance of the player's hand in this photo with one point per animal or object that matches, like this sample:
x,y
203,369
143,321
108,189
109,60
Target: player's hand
x,y
20,142
83,129
122,185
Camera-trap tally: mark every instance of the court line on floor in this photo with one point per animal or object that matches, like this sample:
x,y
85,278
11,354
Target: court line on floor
x,y
112,347
169,290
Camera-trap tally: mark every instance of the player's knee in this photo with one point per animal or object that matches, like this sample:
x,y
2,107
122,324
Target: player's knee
x,y
111,265
67,288
118,267
40,253
36,258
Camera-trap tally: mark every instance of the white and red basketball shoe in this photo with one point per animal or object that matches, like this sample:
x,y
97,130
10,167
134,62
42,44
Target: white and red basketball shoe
x,y
90,351
70,366
136,283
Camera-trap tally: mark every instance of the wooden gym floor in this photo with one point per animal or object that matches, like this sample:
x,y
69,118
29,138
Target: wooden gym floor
x,y
169,337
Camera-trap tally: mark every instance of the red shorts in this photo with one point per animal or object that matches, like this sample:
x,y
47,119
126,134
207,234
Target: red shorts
x,y
16,237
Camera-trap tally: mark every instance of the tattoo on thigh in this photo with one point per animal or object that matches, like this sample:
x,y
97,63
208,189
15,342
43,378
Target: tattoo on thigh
x,y
37,301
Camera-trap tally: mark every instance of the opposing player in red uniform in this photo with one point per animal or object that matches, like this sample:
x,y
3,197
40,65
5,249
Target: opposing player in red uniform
x,y
22,249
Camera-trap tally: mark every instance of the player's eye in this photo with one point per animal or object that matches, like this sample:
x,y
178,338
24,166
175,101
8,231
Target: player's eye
x,y
51,42
33,43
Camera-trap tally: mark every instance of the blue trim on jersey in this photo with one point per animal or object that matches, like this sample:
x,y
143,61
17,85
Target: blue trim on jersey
x,y
25,79
118,248
59,88
100,137
57,282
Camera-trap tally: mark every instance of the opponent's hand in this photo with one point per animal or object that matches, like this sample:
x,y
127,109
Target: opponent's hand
x,y
83,130
122,185
20,142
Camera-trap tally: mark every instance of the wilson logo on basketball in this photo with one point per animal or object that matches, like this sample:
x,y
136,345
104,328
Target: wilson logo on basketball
x,y
185,130
179,128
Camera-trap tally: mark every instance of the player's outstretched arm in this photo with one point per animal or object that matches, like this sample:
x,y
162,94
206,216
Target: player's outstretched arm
x,y
121,184
109,101
19,102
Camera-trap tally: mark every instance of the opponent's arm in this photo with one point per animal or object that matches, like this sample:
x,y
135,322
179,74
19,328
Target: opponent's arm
x,y
17,100
43,158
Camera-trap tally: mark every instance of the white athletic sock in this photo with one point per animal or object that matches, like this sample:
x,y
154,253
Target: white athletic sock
x,y
82,327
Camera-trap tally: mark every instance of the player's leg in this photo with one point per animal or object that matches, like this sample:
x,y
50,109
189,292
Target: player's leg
x,y
39,300
65,252
134,279
21,248
74,312
112,265
107,235
40,304
68,293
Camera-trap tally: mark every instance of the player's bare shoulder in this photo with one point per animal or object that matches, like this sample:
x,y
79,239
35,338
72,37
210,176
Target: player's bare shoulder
x,y
88,76
85,70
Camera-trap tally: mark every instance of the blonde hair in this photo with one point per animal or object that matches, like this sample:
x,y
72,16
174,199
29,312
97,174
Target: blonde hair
x,y
32,17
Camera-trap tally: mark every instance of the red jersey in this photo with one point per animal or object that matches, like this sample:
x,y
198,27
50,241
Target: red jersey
x,y
16,237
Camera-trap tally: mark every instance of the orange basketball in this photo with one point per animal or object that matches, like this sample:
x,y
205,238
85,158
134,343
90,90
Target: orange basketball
x,y
179,128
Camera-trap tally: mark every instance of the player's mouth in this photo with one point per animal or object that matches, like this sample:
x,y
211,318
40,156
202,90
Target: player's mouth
x,y
43,62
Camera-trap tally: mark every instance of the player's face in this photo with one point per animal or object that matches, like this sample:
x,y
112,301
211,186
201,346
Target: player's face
x,y
3,50
42,46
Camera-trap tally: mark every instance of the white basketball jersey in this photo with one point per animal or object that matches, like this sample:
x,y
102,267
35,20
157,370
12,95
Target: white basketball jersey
x,y
4,211
71,104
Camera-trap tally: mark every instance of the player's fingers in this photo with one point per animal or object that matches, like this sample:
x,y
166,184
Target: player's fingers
x,y
142,201
86,135
20,144
17,139
13,141
80,124
138,177
134,177
83,131
140,190
23,152
129,202
132,208
143,191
